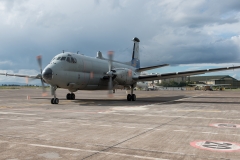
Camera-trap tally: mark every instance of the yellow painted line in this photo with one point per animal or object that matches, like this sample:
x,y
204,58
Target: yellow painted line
x,y
198,111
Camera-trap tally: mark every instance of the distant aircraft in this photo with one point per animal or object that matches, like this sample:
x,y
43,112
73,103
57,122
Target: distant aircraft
x,y
142,85
78,72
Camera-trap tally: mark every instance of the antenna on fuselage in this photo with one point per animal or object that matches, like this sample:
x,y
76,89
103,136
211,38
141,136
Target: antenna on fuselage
x,y
63,51
77,52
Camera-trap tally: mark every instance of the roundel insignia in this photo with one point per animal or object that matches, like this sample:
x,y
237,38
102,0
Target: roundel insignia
x,y
225,125
218,146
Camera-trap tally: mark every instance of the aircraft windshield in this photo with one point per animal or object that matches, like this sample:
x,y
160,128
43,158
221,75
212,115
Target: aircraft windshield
x,y
69,59
63,58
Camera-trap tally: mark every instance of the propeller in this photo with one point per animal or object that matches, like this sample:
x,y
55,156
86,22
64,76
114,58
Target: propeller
x,y
110,74
39,60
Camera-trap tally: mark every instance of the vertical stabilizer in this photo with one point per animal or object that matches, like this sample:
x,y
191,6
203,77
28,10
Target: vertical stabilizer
x,y
135,55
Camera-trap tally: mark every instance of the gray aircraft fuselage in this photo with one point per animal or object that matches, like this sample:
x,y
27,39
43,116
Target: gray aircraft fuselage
x,y
85,73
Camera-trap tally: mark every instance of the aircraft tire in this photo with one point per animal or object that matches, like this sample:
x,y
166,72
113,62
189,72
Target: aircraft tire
x,y
52,101
72,96
133,97
56,101
68,96
129,97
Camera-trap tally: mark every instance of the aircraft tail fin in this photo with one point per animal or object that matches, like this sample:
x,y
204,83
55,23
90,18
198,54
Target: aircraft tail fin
x,y
135,62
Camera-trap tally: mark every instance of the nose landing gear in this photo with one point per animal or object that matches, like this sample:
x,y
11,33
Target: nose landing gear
x,y
54,100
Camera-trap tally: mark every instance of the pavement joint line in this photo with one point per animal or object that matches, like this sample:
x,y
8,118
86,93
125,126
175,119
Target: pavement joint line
x,y
155,151
140,134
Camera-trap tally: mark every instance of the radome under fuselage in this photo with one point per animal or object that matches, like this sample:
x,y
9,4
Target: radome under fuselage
x,y
86,74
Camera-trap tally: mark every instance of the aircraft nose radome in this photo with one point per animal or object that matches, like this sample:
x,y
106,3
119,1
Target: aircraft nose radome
x,y
47,74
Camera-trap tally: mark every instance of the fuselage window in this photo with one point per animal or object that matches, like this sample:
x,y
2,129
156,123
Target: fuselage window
x,y
63,58
68,59
58,58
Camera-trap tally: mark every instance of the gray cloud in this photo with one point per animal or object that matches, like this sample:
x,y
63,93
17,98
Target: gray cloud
x,y
173,32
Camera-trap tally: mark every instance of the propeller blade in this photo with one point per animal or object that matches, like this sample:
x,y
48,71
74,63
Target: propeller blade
x,y
110,74
110,56
110,86
44,93
39,60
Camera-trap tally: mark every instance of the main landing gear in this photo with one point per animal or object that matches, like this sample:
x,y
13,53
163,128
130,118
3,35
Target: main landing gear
x,y
70,96
54,100
131,97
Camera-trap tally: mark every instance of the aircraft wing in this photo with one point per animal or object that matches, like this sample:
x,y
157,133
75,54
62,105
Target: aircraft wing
x,y
151,67
21,75
179,74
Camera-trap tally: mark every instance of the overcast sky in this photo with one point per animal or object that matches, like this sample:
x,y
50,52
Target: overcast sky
x,y
195,34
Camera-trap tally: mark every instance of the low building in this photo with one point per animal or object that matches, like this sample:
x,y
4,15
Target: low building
x,y
216,80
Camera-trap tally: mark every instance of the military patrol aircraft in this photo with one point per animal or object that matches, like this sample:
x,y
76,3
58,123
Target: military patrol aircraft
x,y
79,72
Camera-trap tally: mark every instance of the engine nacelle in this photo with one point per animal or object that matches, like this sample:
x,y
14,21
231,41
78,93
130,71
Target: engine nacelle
x,y
124,76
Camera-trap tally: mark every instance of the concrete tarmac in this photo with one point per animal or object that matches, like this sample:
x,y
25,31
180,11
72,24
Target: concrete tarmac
x,y
163,125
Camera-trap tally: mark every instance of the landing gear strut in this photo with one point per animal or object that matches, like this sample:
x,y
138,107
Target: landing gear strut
x,y
131,97
70,96
54,100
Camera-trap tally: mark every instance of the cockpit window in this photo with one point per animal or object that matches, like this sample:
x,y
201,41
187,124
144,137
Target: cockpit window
x,y
74,60
68,59
63,58
58,58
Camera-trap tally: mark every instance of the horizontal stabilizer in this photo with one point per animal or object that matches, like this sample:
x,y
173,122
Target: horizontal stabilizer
x,y
151,67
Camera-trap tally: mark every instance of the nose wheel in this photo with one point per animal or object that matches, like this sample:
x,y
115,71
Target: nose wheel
x,y
54,101
70,96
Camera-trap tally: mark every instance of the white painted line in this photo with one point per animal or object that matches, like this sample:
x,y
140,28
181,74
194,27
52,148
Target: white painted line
x,y
17,113
93,151
63,148
180,131
47,121
128,127
30,120
205,132
85,124
106,125
64,122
